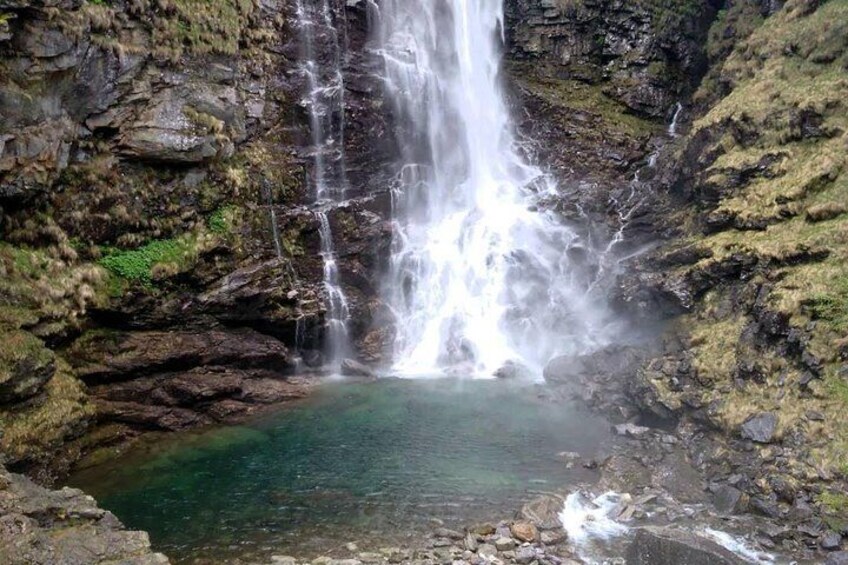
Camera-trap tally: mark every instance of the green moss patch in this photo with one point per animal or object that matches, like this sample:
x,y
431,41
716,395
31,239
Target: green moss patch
x,y
137,264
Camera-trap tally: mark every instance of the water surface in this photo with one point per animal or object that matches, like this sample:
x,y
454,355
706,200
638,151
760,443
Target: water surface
x,y
380,463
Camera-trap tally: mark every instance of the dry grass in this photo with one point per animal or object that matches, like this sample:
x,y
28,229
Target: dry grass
x,y
32,432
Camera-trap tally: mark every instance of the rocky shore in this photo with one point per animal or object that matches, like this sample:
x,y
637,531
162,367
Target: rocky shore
x,y
64,526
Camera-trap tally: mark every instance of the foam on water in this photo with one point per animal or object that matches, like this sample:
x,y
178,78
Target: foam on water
x,y
738,546
588,520
591,525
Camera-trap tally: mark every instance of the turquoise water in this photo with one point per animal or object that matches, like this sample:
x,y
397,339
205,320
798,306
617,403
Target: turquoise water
x,y
386,461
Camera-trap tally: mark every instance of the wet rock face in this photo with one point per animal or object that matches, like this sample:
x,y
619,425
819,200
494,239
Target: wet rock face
x,y
41,527
647,55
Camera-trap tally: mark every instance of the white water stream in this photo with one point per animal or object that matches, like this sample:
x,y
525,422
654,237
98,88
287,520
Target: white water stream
x,y
322,33
480,277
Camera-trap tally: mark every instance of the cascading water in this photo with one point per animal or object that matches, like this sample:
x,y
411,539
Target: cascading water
x,y
480,277
322,41
338,312
322,61
672,127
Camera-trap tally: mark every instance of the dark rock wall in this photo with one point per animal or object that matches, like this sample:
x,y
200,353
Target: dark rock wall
x,y
647,55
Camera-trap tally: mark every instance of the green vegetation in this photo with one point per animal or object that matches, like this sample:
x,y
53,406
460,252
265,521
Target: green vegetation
x,y
589,98
670,15
834,506
733,24
222,220
776,135
45,289
832,307
137,264
162,258
666,15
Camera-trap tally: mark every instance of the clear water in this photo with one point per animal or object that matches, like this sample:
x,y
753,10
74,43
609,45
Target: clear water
x,y
380,463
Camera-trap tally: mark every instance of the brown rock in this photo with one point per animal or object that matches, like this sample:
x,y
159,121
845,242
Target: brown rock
x,y
544,511
524,531
124,356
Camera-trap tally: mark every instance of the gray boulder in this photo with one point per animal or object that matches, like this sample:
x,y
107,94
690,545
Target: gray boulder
x,y
352,368
760,428
663,546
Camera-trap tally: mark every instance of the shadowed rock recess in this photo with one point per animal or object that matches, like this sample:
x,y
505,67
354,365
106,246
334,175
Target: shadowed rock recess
x,y
162,263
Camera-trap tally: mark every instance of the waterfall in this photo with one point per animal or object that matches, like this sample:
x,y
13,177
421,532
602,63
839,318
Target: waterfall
x,y
672,127
322,43
338,312
482,277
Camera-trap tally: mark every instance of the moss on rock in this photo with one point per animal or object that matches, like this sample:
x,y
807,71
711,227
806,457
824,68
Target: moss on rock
x,y
34,432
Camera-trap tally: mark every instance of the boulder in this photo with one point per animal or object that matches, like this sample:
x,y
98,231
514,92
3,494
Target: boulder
x,y
487,550
514,370
665,546
544,511
188,124
631,430
760,427
524,555
730,500
524,531
553,537
837,558
352,368
610,361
